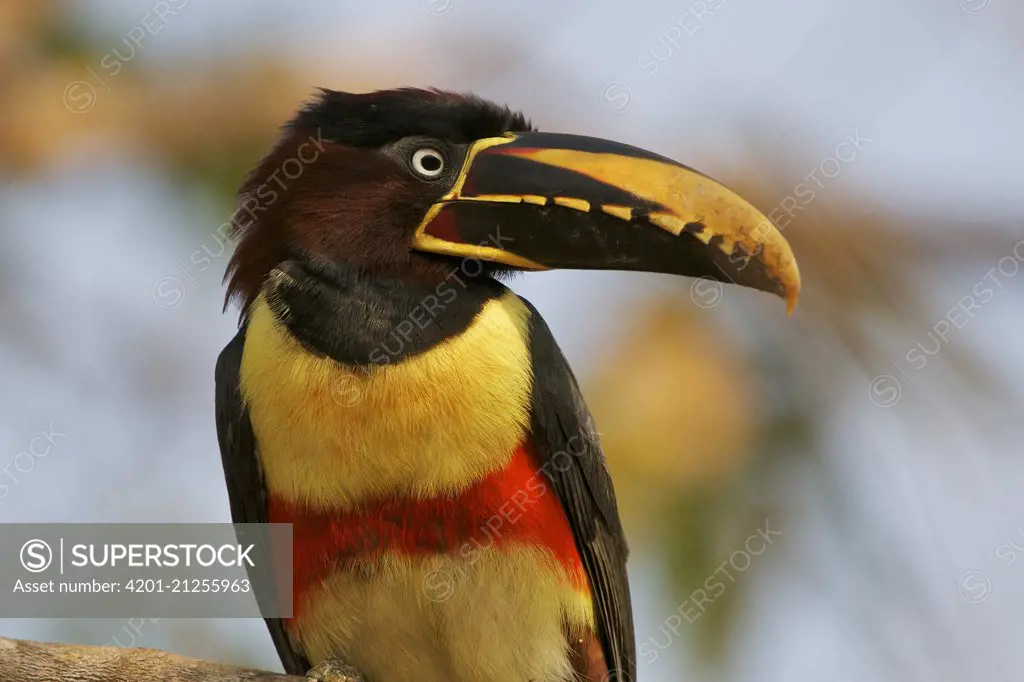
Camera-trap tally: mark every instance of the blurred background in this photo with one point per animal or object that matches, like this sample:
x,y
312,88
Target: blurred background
x,y
832,496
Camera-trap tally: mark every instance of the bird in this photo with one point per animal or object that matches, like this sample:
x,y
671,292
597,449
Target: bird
x,y
412,418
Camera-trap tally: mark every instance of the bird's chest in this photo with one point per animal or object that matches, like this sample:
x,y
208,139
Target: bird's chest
x,y
332,436
429,544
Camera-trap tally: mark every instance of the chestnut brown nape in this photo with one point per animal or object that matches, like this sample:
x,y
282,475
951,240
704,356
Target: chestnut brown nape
x,y
326,188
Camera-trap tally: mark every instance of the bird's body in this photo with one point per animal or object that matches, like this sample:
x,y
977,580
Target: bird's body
x,y
414,419
434,550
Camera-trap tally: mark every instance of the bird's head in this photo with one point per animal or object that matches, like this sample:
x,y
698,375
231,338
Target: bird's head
x,y
405,183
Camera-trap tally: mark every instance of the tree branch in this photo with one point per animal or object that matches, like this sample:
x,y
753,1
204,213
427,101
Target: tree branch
x,y
24,660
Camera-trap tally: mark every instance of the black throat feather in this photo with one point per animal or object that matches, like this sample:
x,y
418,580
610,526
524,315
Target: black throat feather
x,y
366,320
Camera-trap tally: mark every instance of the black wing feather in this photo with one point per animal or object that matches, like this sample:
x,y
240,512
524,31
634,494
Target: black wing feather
x,y
244,474
563,430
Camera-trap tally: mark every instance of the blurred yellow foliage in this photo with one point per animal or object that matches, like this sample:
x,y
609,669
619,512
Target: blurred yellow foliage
x,y
673,403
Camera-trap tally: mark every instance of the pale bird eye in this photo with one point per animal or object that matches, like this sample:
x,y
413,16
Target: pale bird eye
x,y
428,162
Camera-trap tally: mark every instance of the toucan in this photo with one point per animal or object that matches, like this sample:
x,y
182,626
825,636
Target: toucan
x,y
412,417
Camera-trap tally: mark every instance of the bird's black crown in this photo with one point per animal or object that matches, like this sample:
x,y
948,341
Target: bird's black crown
x,y
377,118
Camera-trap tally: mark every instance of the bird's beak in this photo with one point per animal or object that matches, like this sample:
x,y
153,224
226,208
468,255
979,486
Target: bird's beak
x,y
545,200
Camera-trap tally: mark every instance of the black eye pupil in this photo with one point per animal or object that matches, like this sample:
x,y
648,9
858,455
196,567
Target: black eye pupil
x,y
430,163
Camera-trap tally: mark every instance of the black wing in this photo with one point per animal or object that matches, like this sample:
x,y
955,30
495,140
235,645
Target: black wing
x,y
246,489
564,431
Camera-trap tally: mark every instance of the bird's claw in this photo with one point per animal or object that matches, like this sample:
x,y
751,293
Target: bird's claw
x,y
333,670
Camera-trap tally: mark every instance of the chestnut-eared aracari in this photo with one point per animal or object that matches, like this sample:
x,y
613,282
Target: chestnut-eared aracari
x,y
411,416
